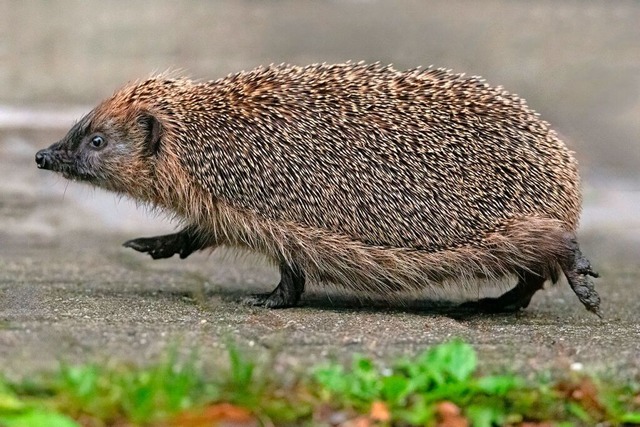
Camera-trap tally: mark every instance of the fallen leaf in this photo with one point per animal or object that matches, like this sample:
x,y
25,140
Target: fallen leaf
x,y
585,392
379,411
449,415
221,414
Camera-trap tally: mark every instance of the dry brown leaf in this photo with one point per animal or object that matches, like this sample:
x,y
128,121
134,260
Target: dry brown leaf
x,y
449,415
585,392
221,414
379,411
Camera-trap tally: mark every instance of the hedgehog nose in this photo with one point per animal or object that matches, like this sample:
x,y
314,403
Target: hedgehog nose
x,y
43,159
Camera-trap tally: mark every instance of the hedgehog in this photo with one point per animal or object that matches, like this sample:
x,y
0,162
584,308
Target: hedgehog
x,y
358,176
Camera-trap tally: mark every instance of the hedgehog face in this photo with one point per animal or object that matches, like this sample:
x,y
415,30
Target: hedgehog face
x,y
104,152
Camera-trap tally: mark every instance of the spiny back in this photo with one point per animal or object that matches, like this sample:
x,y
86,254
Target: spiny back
x,y
420,159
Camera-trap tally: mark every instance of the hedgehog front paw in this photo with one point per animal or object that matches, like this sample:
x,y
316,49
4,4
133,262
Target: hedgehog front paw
x,y
269,300
286,294
160,246
184,243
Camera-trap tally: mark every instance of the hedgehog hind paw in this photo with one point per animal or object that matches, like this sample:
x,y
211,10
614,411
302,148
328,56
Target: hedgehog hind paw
x,y
286,294
578,270
584,288
511,301
493,305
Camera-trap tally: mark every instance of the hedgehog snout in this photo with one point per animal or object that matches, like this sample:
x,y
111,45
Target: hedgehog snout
x,y
44,159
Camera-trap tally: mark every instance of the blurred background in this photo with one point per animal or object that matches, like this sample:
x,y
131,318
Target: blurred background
x,y
576,62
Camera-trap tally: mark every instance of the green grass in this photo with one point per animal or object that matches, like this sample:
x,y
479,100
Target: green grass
x,y
439,383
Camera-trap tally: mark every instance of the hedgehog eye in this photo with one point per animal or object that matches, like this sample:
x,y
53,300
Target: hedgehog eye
x,y
97,142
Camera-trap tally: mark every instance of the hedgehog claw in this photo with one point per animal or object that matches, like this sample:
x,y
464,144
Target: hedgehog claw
x,y
286,294
184,243
268,300
157,247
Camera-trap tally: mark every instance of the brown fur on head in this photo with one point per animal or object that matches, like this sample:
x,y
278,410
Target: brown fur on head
x,y
112,147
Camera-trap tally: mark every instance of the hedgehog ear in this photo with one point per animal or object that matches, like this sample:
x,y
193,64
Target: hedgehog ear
x,y
153,129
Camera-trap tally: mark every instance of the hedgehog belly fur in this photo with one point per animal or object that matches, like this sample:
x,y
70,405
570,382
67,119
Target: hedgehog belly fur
x,y
525,244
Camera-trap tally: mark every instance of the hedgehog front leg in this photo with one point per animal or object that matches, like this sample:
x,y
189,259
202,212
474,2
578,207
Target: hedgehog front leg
x,y
513,300
184,243
288,291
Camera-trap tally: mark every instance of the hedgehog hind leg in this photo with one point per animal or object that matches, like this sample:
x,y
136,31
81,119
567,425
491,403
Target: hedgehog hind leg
x,y
286,294
578,271
513,300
